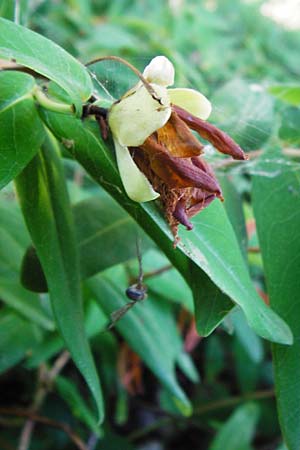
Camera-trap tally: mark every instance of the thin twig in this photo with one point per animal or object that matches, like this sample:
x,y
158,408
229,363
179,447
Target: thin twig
x,y
46,421
159,271
59,364
11,65
147,85
209,407
149,428
152,273
232,401
45,381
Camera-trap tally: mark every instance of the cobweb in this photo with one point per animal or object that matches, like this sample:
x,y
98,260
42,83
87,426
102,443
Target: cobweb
x,y
112,79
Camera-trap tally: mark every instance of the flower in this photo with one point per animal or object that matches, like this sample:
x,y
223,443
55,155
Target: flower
x,y
156,152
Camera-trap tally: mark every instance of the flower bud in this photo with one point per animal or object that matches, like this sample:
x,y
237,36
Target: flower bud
x,y
160,71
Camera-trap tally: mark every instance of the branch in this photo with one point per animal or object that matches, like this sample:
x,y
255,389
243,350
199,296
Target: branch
x,y
46,421
220,404
45,381
232,401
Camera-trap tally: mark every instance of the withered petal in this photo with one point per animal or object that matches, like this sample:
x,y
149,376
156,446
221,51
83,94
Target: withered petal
x,y
201,204
220,140
182,173
203,165
178,139
180,214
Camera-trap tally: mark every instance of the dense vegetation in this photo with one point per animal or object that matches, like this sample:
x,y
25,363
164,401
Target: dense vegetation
x,y
207,360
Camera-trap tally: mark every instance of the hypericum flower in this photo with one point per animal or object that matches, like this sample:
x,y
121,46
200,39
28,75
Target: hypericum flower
x,y
157,154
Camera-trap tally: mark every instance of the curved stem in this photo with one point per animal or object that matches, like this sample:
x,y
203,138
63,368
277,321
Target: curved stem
x,y
52,105
131,67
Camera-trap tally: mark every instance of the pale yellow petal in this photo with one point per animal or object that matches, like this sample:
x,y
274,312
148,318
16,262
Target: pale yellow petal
x,y
136,116
160,71
134,181
192,101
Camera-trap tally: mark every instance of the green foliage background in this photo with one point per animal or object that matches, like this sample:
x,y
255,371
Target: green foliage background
x,y
213,393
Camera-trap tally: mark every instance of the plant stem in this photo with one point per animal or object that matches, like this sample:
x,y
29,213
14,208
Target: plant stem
x,y
45,381
46,421
232,401
147,85
149,428
49,104
209,407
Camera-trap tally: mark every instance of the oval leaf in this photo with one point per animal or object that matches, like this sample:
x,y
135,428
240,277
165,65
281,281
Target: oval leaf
x,y
212,245
100,223
276,203
238,431
84,143
21,130
32,50
148,328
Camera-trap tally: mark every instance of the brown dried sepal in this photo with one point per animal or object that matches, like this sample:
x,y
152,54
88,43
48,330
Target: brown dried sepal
x,y
177,138
170,160
220,140
185,186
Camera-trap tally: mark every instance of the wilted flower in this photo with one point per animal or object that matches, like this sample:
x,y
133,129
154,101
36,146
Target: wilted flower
x,y
157,154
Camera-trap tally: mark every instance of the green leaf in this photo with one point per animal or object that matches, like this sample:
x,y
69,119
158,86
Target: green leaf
x,y
211,305
238,432
214,358
84,143
25,302
113,441
8,9
32,50
13,240
289,93
148,328
122,40
12,221
69,392
250,342
234,208
211,246
21,131
276,202
100,223
289,127
32,274
95,322
245,111
247,372
168,283
17,337
45,205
